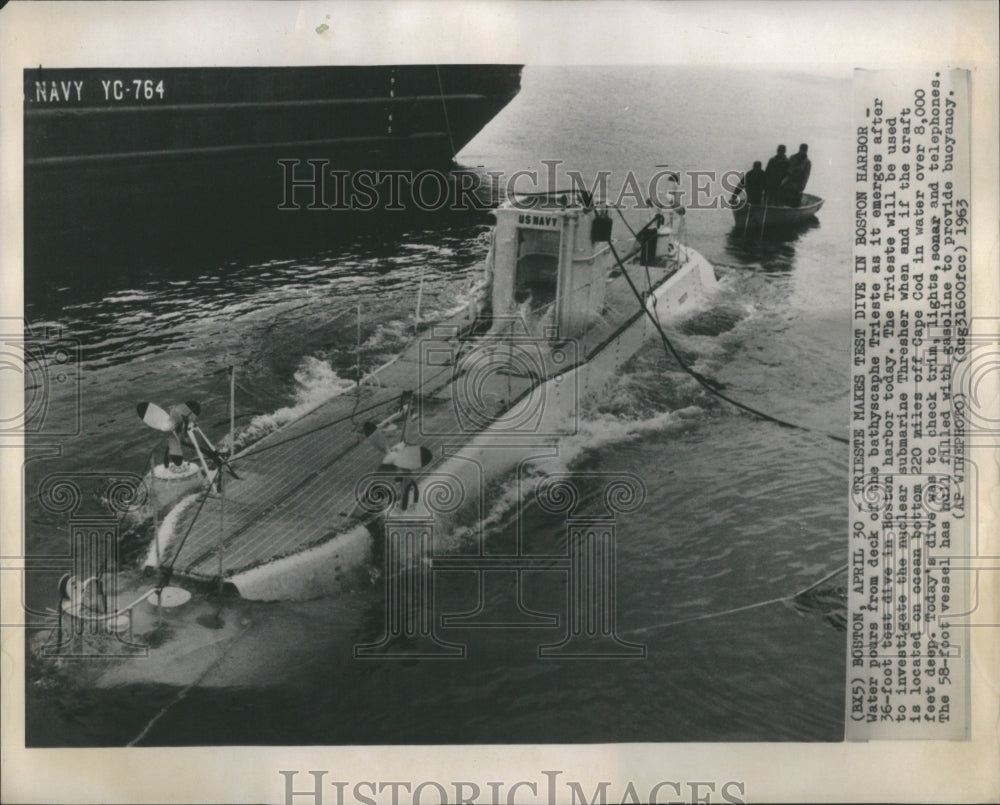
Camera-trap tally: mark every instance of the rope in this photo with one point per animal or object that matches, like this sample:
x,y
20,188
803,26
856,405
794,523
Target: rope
x,y
184,692
166,574
745,608
825,578
444,106
264,512
625,221
710,385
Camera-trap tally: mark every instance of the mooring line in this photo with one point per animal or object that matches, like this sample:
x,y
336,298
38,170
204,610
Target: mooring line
x,y
744,608
184,691
710,385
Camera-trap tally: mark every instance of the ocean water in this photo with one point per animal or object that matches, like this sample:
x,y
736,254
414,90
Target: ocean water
x,y
738,511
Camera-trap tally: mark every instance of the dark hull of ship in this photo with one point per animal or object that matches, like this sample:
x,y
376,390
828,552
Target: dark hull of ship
x,y
197,150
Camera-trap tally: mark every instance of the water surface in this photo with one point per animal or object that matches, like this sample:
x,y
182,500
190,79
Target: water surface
x,y
738,510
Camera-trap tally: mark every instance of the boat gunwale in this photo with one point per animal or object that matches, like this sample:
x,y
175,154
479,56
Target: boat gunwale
x,y
787,215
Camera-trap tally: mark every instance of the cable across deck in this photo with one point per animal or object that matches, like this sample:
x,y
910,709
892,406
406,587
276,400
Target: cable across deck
x,y
298,485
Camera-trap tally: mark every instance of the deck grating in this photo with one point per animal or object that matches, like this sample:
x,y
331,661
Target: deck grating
x,y
297,484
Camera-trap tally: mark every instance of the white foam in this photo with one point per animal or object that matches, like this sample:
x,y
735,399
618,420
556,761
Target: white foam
x,y
128,296
167,531
390,334
317,571
604,429
505,498
316,382
592,433
472,297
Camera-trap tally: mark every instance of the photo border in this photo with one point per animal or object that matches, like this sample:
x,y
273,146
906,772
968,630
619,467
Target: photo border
x,y
775,35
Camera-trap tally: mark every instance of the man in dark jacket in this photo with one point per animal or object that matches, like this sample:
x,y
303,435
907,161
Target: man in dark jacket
x,y
799,168
753,182
777,169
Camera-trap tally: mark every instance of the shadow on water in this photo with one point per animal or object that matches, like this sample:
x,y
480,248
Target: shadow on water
x,y
119,243
770,251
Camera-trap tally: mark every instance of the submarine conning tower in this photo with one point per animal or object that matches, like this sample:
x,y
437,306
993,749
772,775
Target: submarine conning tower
x,y
551,262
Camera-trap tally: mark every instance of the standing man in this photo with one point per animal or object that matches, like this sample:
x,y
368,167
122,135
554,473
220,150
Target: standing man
x,y
799,168
183,417
777,169
754,182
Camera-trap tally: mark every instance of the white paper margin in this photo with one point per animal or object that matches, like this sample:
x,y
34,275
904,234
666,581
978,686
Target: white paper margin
x,y
818,37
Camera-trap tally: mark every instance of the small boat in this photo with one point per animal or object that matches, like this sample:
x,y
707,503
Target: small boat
x,y
770,216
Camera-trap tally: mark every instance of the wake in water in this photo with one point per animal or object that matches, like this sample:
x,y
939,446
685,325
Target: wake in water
x,y
508,496
650,396
316,382
645,400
